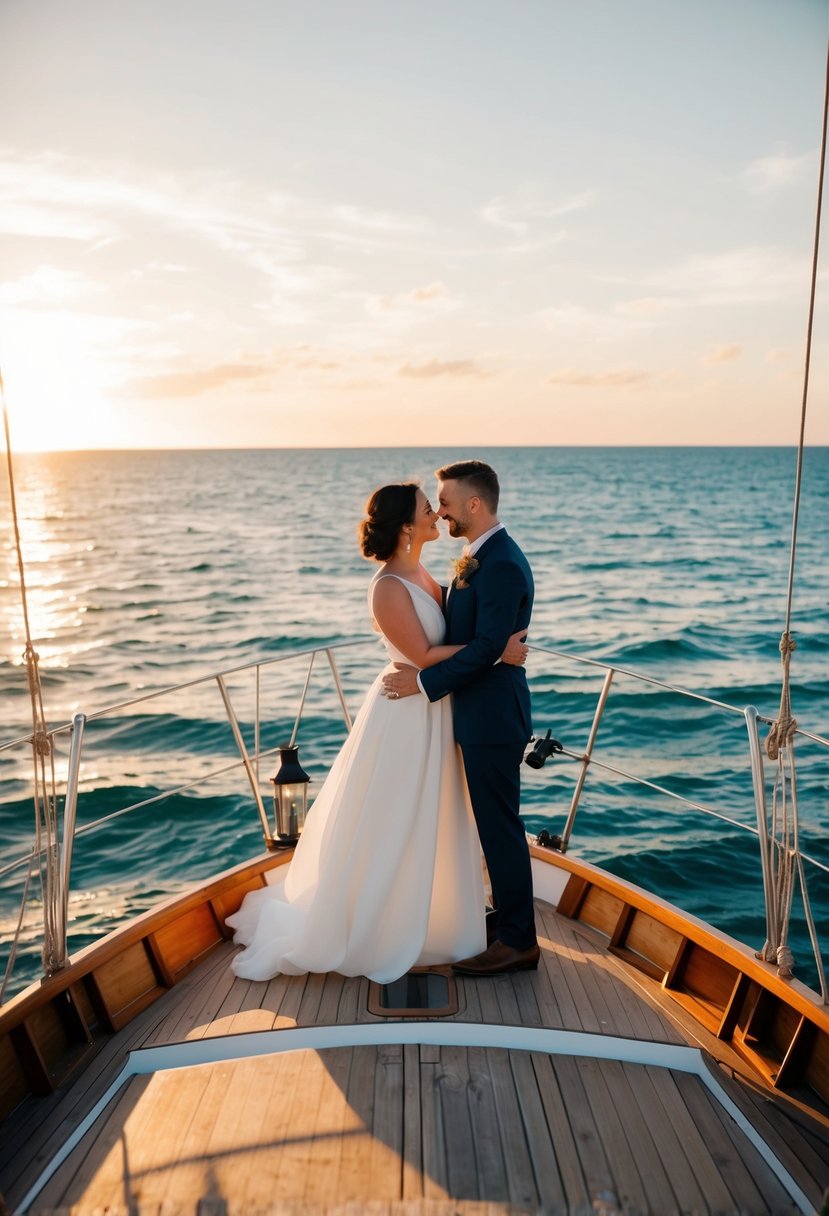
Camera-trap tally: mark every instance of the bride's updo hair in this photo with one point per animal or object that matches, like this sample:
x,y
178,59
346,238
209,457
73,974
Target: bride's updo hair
x,y
388,510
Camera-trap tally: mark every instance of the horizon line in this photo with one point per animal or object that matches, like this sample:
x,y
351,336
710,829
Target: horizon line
x,y
405,447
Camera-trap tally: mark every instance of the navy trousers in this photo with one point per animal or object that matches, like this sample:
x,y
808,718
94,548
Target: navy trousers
x,y
493,773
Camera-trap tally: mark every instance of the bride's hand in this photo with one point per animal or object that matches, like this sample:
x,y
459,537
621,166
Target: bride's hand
x,y
515,651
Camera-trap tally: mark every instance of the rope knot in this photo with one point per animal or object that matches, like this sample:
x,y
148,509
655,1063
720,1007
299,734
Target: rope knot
x,y
783,729
787,645
42,743
785,962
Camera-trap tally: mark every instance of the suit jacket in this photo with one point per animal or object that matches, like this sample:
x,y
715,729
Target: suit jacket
x,y
491,701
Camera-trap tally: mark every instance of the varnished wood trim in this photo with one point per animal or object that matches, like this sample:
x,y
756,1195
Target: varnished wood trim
x,y
795,1060
33,1064
98,1002
634,959
163,973
792,992
574,895
121,1017
83,1031
673,979
85,962
619,934
731,1013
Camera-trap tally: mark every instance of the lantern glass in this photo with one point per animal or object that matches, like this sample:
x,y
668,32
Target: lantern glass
x,y
290,796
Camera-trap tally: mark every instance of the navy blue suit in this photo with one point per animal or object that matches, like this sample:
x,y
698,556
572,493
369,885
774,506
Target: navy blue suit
x,y
491,714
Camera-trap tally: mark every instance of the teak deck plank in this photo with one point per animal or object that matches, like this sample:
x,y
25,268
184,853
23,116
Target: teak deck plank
x,y
253,1013
308,1011
261,1113
619,1150
452,1083
262,1169
561,1133
385,1170
336,1122
690,1140
433,1150
356,1162
563,973
412,1165
537,1132
209,1106
489,1157
595,1167
800,1144
752,1184
298,1150
519,1169
644,1140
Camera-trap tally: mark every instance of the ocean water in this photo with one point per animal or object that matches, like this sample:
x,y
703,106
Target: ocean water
x,y
147,570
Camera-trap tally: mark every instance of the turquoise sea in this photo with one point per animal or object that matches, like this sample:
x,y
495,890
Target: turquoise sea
x,y
152,569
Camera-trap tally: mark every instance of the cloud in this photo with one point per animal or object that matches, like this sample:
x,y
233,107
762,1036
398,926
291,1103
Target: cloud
x,y
778,354
191,383
568,321
256,368
723,354
526,209
413,307
617,378
646,306
47,286
53,195
416,297
769,174
753,275
376,221
455,368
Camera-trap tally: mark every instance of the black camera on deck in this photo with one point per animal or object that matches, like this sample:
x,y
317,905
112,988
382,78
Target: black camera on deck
x,y
543,750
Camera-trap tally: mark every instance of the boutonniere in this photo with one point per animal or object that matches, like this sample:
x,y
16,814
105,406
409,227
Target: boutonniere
x,y
464,568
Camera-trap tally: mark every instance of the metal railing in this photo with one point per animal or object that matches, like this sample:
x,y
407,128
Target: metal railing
x,y
763,829
249,762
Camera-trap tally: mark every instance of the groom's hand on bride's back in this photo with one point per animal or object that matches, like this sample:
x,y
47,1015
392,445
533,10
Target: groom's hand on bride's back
x,y
402,682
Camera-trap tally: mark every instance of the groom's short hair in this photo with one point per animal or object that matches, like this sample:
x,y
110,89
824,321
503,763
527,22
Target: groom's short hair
x,y
479,477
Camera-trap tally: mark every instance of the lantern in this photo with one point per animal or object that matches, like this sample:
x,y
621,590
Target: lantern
x,y
290,796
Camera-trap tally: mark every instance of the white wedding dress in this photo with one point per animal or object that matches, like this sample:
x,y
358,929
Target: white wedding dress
x,y
387,872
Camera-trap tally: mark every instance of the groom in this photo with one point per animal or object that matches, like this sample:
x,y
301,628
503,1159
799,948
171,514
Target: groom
x,y
490,599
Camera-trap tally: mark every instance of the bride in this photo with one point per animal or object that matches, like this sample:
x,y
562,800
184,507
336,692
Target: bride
x,y
387,872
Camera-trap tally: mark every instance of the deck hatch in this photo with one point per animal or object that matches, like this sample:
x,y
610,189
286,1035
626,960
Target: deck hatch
x,y
420,993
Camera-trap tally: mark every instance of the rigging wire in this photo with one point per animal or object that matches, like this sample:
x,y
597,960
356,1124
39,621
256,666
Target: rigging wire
x,y
43,756
808,355
782,840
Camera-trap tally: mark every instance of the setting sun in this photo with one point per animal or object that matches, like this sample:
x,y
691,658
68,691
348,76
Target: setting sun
x,y
56,384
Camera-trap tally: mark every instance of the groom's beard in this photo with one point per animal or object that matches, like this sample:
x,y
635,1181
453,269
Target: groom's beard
x,y
455,528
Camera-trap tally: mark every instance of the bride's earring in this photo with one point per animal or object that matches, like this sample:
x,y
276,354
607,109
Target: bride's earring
x,y
409,543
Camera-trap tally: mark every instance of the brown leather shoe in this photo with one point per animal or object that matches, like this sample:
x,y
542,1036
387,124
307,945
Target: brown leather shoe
x,y
499,959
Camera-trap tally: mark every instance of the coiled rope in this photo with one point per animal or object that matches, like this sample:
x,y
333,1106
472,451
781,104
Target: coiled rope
x,y
783,835
45,790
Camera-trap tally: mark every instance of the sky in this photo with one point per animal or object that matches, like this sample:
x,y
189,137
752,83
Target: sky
x,y
270,223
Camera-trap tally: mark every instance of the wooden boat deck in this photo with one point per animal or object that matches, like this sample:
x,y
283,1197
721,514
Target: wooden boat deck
x,y
416,1127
